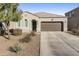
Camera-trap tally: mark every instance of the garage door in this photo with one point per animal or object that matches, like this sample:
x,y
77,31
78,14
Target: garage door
x,y
51,26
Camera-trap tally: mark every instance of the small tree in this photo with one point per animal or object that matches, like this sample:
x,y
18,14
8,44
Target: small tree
x,y
9,12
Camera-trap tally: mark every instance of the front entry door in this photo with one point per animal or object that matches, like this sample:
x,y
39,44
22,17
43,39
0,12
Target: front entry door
x,y
34,25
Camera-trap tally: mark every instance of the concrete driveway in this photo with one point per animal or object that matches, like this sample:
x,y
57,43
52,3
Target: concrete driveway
x,y
59,44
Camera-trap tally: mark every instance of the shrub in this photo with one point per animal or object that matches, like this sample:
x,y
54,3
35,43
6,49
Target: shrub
x,y
16,31
26,38
16,48
2,32
11,31
32,34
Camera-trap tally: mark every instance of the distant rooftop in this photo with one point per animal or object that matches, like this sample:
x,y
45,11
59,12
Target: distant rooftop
x,y
72,10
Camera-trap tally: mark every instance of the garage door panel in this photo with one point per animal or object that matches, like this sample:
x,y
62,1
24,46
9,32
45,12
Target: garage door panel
x,y
51,26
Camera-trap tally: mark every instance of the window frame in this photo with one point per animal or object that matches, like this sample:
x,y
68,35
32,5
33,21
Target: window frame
x,y
19,23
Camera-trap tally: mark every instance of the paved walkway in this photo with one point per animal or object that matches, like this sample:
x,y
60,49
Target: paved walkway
x,y
59,44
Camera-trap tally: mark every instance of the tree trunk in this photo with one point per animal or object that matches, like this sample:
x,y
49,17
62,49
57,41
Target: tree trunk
x,y
8,32
7,26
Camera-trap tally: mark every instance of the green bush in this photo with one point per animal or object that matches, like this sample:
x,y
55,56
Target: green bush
x,y
16,32
16,48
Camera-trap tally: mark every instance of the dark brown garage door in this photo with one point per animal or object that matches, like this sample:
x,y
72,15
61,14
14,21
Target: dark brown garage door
x,y
51,26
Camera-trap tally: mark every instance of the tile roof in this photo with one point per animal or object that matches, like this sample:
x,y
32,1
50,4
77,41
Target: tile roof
x,y
45,14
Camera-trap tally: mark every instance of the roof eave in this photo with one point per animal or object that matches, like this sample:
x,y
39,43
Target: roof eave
x,y
31,13
52,17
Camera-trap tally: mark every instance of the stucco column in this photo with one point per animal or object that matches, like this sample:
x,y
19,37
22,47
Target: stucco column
x,y
38,26
30,25
65,25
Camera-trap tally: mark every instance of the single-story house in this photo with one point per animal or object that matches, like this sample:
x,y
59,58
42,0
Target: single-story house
x,y
41,21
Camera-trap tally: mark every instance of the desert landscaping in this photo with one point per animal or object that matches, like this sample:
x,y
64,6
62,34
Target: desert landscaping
x,y
29,48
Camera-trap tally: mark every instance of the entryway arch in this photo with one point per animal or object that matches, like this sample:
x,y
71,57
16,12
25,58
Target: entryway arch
x,y
34,25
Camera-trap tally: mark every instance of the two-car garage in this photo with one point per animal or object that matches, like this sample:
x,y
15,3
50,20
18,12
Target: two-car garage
x,y
51,22
51,26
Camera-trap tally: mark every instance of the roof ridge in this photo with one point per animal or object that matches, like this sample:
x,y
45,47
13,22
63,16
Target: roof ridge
x,y
48,13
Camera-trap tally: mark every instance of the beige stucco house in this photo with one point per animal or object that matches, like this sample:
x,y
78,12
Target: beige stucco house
x,y
41,21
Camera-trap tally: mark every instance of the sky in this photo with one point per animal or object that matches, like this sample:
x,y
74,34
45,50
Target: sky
x,y
55,8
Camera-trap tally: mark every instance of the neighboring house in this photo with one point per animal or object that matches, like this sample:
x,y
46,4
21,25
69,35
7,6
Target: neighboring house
x,y
40,22
73,19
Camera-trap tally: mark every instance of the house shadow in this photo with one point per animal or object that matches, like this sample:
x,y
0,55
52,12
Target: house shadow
x,y
5,37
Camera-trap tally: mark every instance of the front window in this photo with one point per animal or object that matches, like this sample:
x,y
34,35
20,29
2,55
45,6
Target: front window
x,y
19,23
